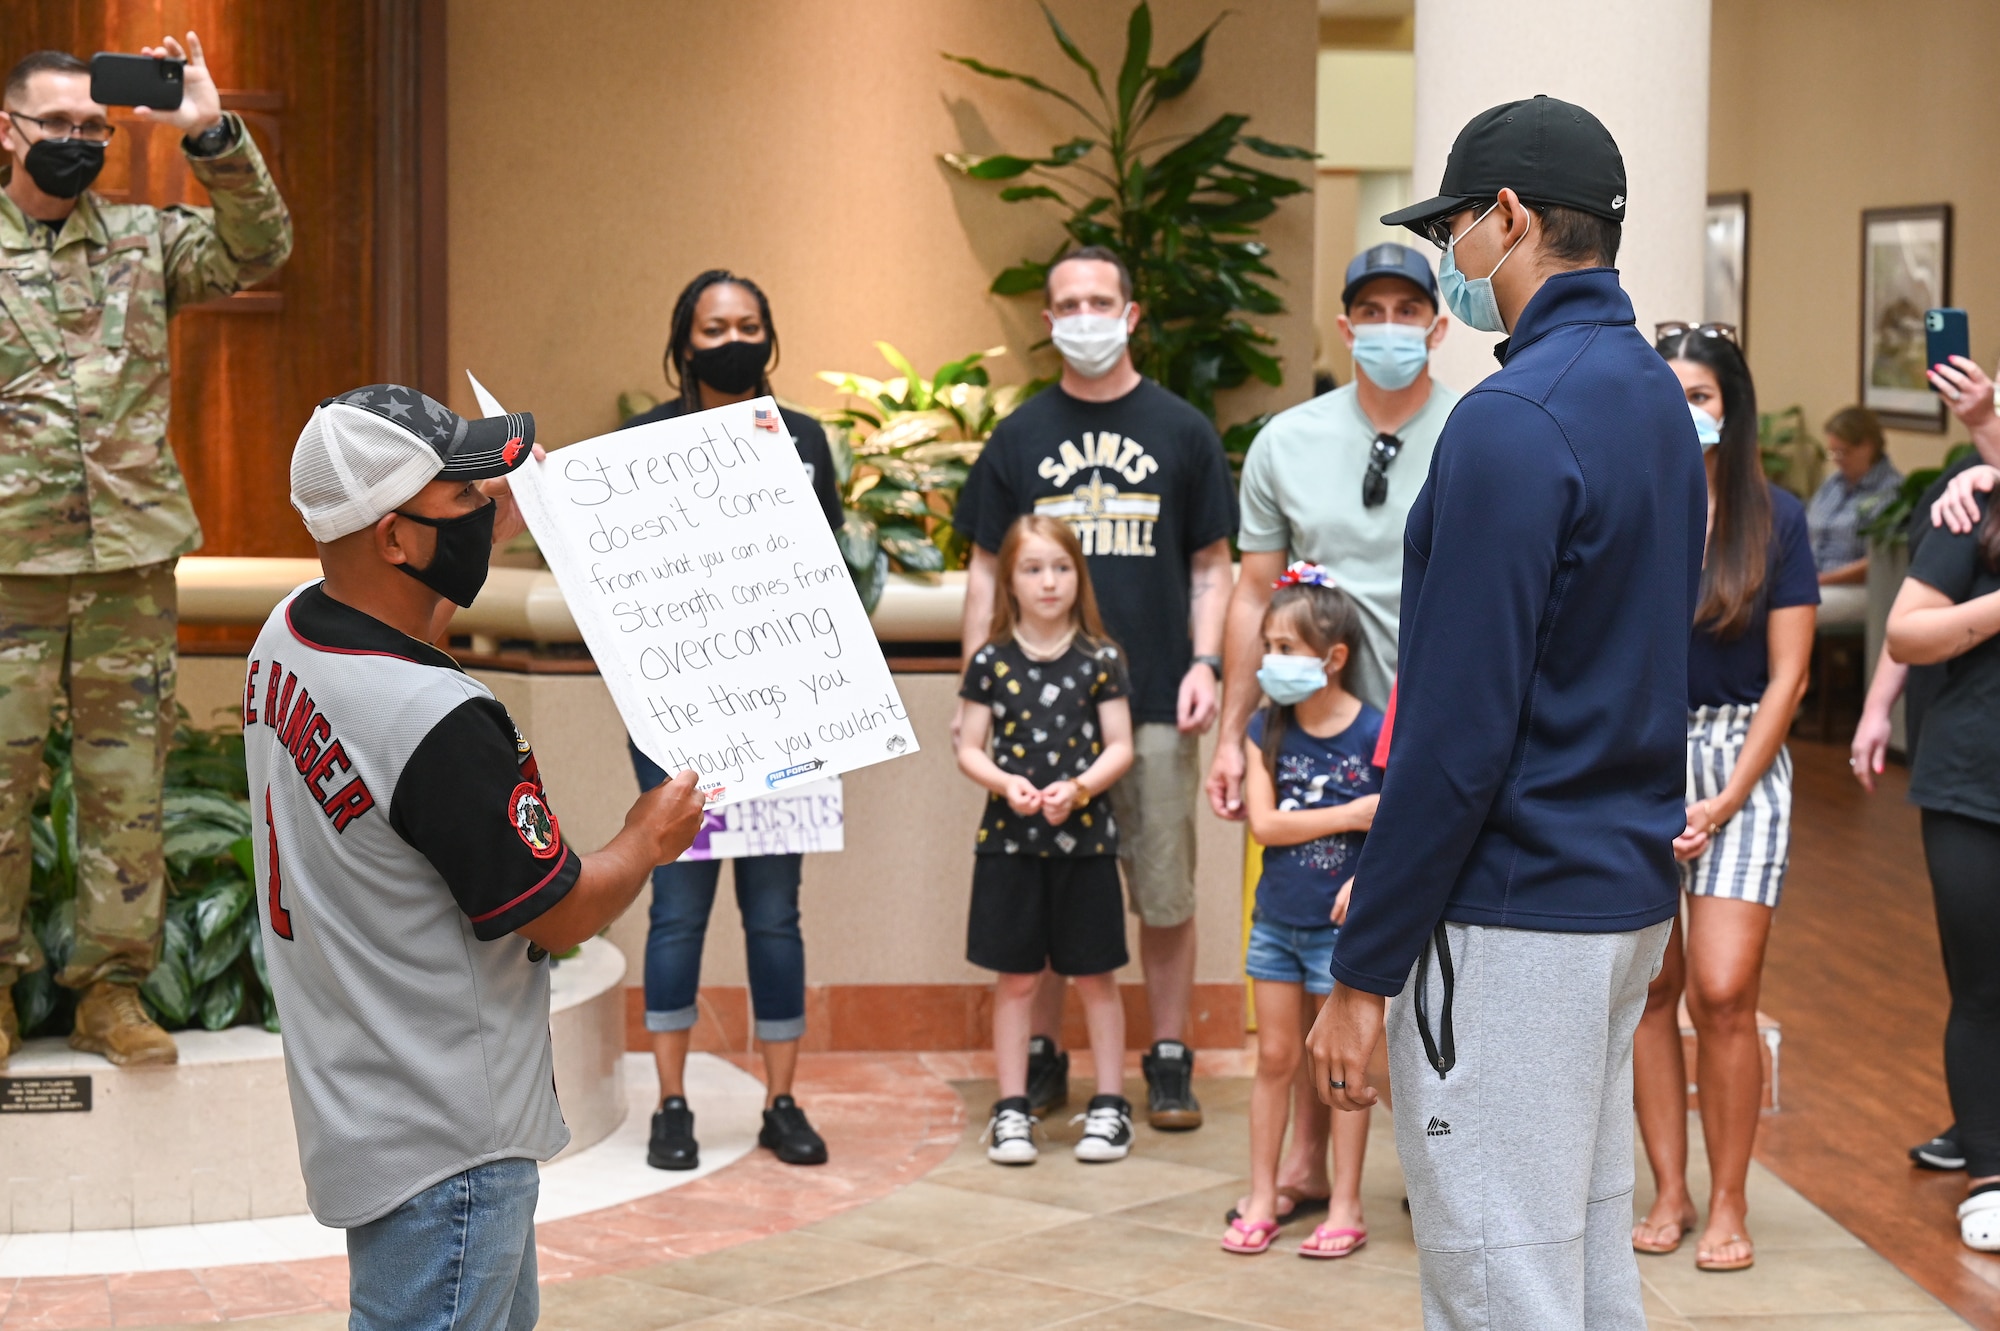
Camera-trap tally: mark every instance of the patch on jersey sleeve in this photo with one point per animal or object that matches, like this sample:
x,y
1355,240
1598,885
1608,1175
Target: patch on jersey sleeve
x,y
533,819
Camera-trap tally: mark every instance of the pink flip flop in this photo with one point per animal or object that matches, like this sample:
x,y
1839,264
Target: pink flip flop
x,y
1323,1233
1256,1236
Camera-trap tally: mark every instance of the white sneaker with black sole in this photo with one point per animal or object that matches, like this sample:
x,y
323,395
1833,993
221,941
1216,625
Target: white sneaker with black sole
x,y
1107,1130
1010,1133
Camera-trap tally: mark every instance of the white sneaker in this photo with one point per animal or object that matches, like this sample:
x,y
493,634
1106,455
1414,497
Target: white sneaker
x,y
1010,1133
1107,1129
1979,1221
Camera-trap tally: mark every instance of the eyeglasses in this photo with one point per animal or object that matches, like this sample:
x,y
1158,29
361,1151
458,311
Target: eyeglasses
x,y
1438,230
1675,328
1375,482
59,128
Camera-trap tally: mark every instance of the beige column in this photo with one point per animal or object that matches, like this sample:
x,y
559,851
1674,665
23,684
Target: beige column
x,y
1640,66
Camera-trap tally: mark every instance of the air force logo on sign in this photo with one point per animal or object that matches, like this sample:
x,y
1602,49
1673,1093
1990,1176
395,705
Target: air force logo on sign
x,y
533,820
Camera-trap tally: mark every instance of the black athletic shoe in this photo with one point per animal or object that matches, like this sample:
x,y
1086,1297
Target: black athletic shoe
x,y
787,1135
1107,1130
1048,1076
1170,1102
673,1145
1941,1152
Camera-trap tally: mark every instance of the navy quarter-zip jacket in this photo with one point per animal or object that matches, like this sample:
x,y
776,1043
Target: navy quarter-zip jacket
x,y
1550,571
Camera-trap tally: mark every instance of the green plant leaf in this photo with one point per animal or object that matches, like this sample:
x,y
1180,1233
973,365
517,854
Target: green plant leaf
x,y
868,582
1178,74
1021,279
245,856
1016,193
219,908
1138,57
1267,148
995,72
222,1002
894,501
220,950
998,166
1070,49
909,546
857,539
169,992
34,1000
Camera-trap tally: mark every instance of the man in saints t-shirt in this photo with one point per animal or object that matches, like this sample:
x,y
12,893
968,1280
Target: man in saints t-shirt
x,y
1141,477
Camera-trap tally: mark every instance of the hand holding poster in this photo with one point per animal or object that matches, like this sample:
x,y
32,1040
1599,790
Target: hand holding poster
x,y
697,564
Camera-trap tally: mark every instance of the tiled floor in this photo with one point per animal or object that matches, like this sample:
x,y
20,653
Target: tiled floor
x,y
1095,1248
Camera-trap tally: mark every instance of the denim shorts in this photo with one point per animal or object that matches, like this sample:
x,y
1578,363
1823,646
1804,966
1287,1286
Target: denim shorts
x,y
1291,955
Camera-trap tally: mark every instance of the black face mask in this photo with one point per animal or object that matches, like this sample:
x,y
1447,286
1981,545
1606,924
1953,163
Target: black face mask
x,y
64,168
732,367
464,554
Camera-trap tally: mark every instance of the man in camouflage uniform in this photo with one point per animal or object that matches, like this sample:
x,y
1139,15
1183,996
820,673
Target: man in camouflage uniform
x,y
93,510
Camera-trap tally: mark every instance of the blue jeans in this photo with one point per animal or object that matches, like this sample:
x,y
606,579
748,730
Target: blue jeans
x,y
458,1256
767,895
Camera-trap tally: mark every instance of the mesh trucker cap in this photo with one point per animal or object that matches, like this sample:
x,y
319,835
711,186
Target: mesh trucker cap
x,y
1546,151
369,450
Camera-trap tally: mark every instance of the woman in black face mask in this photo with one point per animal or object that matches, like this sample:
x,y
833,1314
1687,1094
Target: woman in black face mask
x,y
718,350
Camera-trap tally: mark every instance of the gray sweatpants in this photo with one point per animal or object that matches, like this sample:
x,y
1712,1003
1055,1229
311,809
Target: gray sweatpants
x,y
1519,1162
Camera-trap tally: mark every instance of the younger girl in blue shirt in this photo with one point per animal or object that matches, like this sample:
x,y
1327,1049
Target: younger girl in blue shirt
x,y
1310,792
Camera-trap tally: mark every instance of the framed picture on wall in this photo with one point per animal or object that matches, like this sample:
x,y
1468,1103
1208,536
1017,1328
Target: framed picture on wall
x,y
1725,288
1905,270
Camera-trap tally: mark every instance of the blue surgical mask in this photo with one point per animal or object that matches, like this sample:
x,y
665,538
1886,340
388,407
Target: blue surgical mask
x,y
1290,680
1392,355
1706,427
1472,299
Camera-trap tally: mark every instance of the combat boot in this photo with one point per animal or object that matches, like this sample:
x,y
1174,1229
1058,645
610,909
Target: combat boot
x,y
111,1021
10,1026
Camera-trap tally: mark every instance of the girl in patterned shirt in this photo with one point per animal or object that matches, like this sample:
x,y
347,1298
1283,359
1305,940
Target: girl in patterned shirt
x,y
1310,791
1049,691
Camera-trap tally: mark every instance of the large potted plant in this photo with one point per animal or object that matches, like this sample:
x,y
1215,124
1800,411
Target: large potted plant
x,y
1182,210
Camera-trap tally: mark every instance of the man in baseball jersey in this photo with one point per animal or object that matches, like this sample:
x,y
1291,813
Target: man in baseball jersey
x,y
412,877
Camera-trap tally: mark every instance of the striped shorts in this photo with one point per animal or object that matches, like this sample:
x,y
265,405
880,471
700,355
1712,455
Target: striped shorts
x,y
1746,857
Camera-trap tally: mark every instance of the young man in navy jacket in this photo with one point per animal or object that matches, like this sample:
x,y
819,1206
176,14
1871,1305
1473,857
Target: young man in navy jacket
x,y
1520,876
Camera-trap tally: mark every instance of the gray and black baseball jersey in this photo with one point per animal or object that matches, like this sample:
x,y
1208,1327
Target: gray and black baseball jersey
x,y
403,835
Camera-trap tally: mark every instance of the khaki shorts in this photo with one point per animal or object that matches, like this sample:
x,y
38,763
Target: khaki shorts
x,y
1154,804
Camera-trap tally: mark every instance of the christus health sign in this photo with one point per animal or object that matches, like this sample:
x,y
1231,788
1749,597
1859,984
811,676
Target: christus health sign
x,y
699,568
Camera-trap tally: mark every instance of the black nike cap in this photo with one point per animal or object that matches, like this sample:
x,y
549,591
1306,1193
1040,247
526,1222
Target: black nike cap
x,y
1547,151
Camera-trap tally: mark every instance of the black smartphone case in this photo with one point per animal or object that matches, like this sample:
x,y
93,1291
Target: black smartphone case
x,y
1946,334
136,80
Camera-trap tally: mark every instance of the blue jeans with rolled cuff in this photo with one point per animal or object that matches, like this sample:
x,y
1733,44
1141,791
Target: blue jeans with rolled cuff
x,y
458,1256
767,896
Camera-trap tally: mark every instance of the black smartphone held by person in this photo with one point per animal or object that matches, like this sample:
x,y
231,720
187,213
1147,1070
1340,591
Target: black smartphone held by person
x,y
136,80
1945,335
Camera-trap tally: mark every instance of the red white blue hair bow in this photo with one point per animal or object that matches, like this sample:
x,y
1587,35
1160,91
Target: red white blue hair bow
x,y
1303,574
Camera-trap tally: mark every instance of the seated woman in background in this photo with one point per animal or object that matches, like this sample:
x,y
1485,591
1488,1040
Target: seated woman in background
x,y
1863,480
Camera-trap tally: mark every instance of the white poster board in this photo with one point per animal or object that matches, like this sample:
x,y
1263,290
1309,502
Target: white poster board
x,y
698,565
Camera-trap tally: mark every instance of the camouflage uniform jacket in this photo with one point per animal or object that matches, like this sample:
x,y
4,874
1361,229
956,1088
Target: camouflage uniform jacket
x,y
88,481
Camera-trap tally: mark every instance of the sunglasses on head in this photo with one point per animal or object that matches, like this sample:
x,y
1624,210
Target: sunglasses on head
x,y
1676,328
1375,481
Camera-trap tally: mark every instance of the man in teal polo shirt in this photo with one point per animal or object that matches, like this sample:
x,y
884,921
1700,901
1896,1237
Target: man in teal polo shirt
x,y
1331,481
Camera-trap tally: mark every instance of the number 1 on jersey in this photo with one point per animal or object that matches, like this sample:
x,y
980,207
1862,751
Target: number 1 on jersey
x,y
281,919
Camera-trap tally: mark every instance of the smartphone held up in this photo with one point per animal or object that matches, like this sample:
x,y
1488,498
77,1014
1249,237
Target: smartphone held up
x,y
137,80
1946,334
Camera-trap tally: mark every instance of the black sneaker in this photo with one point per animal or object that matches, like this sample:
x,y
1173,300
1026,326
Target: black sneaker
x,y
1048,1076
787,1135
1010,1133
673,1145
1107,1130
1170,1102
1941,1152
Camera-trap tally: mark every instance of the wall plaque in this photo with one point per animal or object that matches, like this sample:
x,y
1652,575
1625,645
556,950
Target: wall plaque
x,y
45,1095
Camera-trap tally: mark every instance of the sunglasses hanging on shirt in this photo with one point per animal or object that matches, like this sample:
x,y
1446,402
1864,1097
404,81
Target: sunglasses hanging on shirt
x,y
1375,483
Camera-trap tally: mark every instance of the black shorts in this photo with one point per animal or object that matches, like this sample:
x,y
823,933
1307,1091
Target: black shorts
x,y
1031,911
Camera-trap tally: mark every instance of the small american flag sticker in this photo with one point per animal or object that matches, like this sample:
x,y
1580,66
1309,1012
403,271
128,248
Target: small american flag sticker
x,y
767,419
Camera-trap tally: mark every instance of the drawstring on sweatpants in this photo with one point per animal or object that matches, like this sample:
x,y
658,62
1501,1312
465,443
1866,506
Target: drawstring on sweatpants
x,y
1442,1051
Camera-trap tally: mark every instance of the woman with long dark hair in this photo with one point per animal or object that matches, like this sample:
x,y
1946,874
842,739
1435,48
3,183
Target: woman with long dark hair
x,y
1948,613
1747,661
720,346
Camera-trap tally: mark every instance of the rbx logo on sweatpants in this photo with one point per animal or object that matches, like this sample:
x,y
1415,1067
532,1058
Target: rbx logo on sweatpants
x,y
1437,1127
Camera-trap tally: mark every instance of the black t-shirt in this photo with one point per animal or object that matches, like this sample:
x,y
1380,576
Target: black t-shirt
x,y
1143,482
1955,771
808,436
1738,669
1921,685
1046,728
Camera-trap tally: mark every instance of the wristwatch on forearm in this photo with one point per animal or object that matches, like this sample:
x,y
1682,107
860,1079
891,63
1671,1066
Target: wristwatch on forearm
x,y
1214,664
214,141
